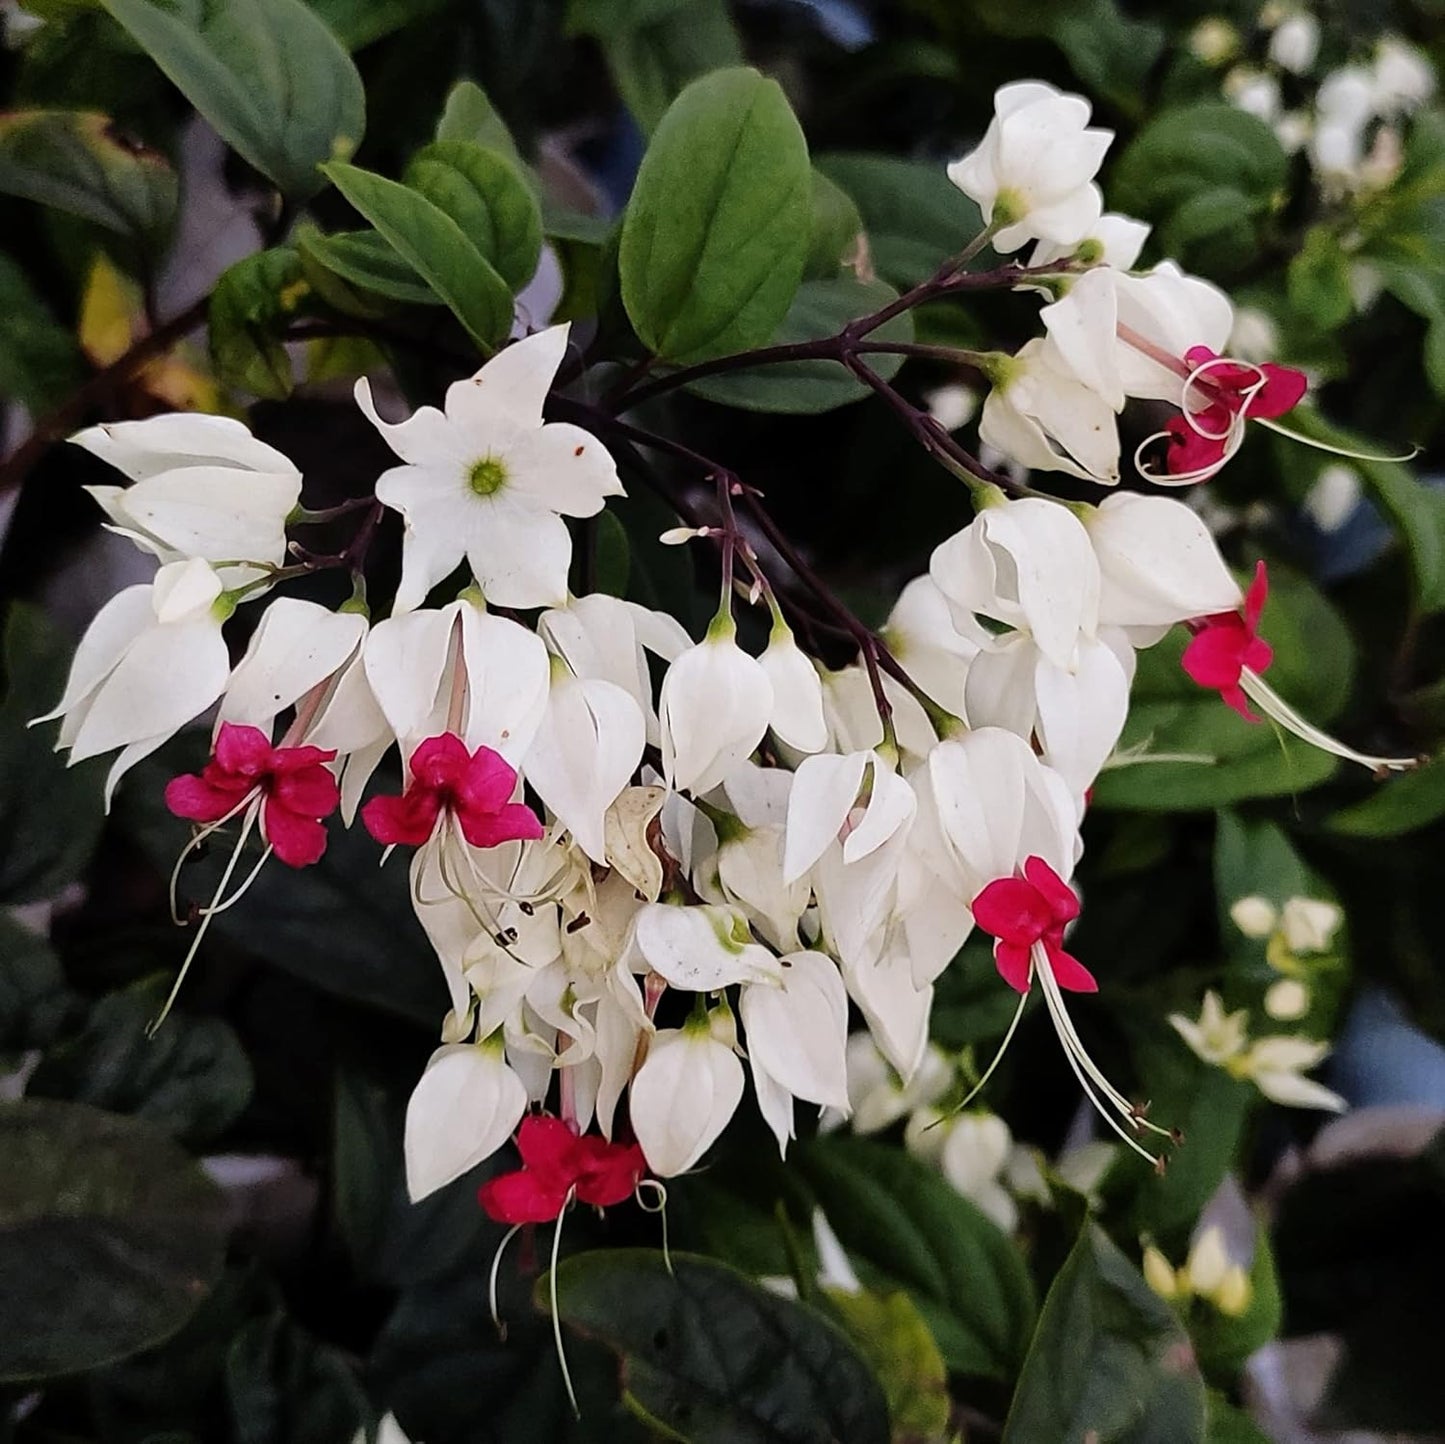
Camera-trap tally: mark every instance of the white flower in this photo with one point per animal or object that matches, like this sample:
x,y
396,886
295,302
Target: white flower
x,y
750,872
683,1096
489,481
796,1034
463,670
1287,1000
203,486
1295,43
701,949
1217,1036
1346,97
1028,565
584,753
464,1107
1214,41
952,406
1253,92
151,660
1310,924
1033,172
824,807
878,1096
715,706
797,715
973,1155
1043,415
1113,240
921,635
1403,76
1332,500
1254,916
1158,564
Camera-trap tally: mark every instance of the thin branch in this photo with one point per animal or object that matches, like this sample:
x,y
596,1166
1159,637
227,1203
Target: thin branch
x,y
64,419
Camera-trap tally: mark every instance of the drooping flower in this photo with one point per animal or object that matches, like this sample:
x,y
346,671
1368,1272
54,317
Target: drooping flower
x,y
487,480
202,486
152,660
558,1164
1032,175
293,788
683,1096
1021,912
447,781
1225,644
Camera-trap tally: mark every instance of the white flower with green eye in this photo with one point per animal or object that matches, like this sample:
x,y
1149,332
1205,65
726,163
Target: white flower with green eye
x,y
489,481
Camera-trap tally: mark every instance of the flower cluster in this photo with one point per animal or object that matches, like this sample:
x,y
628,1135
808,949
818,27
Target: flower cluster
x,y
660,873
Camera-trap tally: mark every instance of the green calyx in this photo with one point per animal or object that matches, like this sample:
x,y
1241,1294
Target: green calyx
x,y
487,476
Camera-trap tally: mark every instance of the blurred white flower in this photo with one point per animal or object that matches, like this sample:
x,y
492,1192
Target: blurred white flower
x,y
1295,43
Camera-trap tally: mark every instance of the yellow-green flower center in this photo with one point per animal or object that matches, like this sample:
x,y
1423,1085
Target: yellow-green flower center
x,y
487,476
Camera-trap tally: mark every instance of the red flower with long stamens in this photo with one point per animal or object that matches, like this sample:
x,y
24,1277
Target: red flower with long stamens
x,y
1023,911
1228,642
295,789
1202,439
474,787
558,1164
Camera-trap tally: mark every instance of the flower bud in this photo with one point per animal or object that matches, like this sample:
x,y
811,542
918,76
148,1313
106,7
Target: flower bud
x,y
682,1098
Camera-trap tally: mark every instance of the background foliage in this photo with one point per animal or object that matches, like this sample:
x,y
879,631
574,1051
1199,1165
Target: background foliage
x,y
205,1237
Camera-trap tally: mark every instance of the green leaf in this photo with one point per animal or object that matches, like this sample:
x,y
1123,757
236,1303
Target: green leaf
x,y
364,259
837,227
358,23
282,1384
250,308
39,358
598,17
1319,279
483,193
712,1357
1313,670
110,1237
1109,1363
891,1335
821,308
268,74
651,63
50,815
433,244
193,1078
717,229
35,1002
1202,172
914,216
1228,1425
470,115
905,1227
1399,805
77,161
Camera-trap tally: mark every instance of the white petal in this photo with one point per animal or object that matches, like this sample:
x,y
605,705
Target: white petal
x,y
142,449
564,468
700,949
890,809
1084,326
183,591
464,1108
423,438
405,658
115,626
798,1032
715,705
521,555
1081,713
296,646
775,1103
507,682
514,383
682,1098
797,715
825,788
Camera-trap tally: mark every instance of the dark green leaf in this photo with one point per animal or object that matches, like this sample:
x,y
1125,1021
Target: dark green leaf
x,y
432,243
482,191
109,1238
250,308
821,308
1109,1363
836,232
364,259
192,1079
470,115
714,1358
78,162
268,74
717,228
651,63
1399,805
39,358
915,217
357,23
50,815
1319,279
283,1387
35,1002
1228,1425
906,1227
599,17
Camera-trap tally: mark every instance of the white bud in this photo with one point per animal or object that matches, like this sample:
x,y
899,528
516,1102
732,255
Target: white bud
x,y
682,1098
1310,924
797,715
1295,43
1254,916
1287,1000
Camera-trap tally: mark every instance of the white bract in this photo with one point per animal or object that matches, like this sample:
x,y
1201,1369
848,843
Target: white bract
x,y
683,1096
151,661
202,486
1032,175
489,481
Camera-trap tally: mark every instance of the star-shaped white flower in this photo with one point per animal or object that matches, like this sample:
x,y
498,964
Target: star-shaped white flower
x,y
487,480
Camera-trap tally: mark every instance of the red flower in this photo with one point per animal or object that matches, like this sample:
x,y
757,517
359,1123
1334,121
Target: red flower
x,y
474,787
1231,383
555,1161
1022,911
1226,643
296,791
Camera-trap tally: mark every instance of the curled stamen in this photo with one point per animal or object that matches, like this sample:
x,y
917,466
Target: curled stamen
x,y
658,1205
497,1319
199,836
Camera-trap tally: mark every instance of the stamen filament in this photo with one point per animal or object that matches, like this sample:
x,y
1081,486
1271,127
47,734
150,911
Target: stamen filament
x,y
556,1313
1273,705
